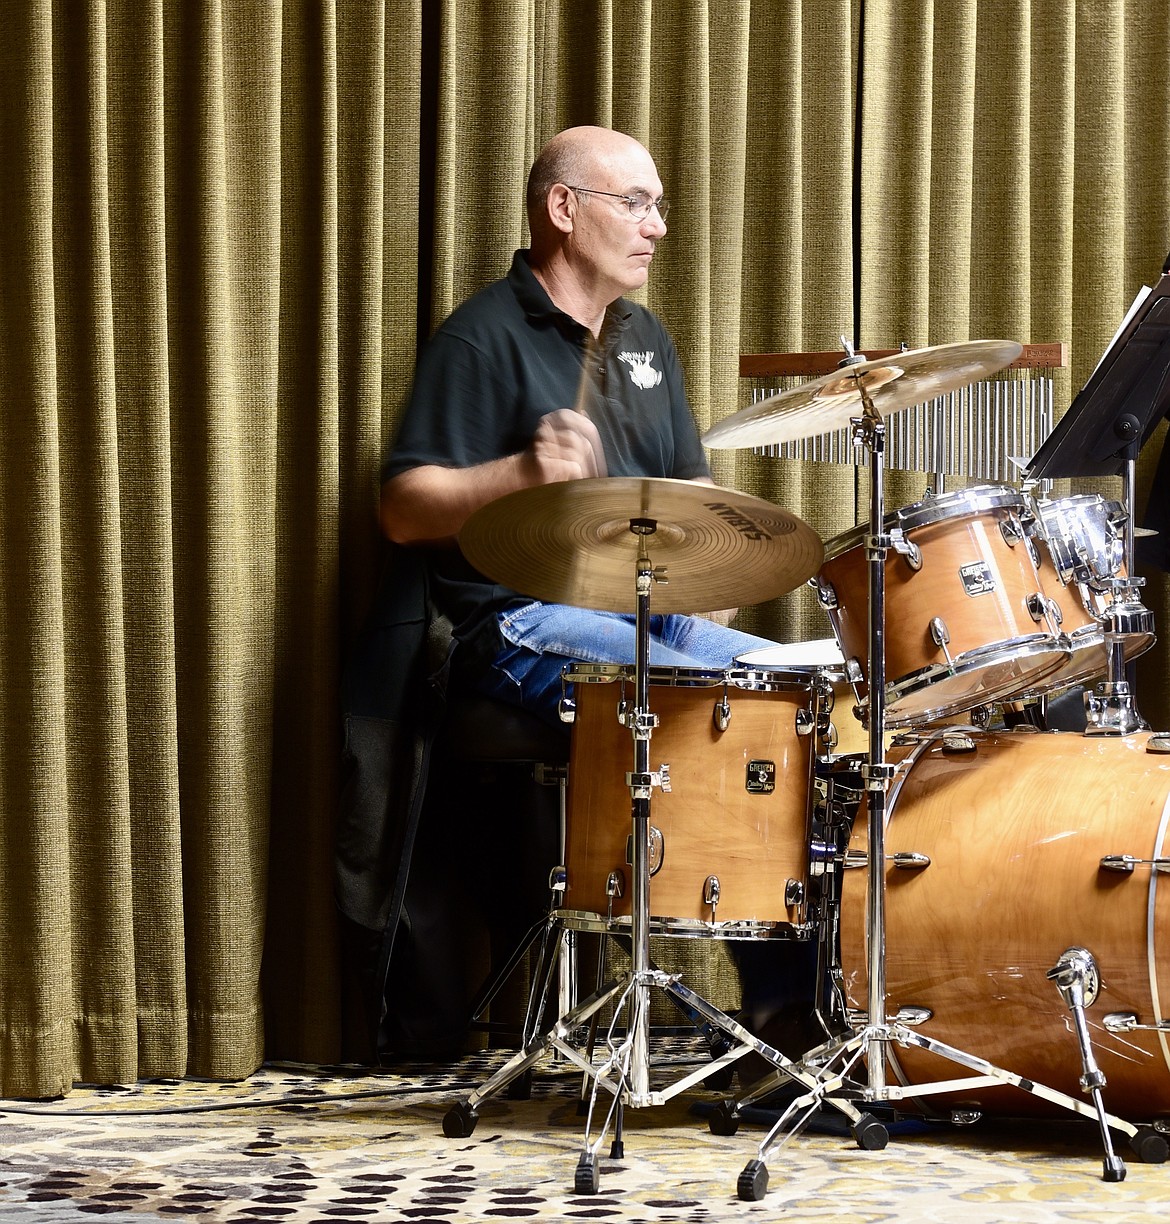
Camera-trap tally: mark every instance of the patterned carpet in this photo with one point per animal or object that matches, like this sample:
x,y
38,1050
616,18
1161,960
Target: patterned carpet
x,y
302,1144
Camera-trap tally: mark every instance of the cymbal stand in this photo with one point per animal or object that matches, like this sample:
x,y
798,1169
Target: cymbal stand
x,y
833,1062
625,1072
1111,709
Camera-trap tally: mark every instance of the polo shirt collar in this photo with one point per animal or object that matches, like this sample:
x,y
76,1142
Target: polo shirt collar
x,y
536,303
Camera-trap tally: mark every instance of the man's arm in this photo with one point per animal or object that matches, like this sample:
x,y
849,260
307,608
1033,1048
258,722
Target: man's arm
x,y
429,504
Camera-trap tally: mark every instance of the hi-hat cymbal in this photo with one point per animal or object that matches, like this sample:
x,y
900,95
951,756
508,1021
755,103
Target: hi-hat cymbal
x,y
572,543
892,383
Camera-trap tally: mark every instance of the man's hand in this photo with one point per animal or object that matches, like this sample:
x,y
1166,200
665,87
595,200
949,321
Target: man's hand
x,y
566,446
429,504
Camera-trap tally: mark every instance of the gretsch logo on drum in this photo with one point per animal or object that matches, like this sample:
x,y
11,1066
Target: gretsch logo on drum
x,y
746,526
977,578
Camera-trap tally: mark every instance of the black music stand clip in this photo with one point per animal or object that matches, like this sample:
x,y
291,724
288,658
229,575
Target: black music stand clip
x,y
1120,405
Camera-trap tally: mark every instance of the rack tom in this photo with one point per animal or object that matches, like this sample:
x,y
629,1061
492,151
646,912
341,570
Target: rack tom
x,y
1081,548
967,621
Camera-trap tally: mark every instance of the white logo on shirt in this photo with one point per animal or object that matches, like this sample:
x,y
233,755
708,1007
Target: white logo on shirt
x,y
644,375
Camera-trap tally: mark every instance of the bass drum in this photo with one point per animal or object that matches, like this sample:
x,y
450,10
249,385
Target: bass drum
x,y
1003,852
729,841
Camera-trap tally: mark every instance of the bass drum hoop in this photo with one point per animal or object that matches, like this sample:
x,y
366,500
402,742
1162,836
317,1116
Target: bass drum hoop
x,y
689,928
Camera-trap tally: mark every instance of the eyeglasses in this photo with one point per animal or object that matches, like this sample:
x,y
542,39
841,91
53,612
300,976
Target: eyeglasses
x,y
639,204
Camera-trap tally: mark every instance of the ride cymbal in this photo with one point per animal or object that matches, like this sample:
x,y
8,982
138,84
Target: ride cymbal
x,y
892,383
571,542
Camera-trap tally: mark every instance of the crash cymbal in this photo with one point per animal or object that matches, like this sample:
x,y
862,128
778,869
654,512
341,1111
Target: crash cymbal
x,y
892,383
571,543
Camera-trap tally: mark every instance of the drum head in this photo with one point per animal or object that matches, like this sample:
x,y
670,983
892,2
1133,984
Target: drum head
x,y
796,656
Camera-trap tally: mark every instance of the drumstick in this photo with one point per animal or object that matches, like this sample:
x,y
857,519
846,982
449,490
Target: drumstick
x,y
584,398
585,382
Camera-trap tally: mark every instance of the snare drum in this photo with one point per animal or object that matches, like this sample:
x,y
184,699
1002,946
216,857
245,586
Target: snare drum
x,y
823,664
966,622
1004,851
1081,546
729,840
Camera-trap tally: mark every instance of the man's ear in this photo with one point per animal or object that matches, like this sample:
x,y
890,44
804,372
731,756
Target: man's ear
x,y
561,206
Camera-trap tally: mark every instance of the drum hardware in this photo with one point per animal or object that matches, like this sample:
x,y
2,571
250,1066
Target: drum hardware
x,y
655,851
911,1016
822,858
1111,709
711,893
1039,608
1127,1022
586,543
903,860
828,697
941,637
1125,863
906,548
1012,531
954,742
1078,980
783,417
826,596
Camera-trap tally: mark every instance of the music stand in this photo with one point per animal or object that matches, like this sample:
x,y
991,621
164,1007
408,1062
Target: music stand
x,y
1105,426
1132,380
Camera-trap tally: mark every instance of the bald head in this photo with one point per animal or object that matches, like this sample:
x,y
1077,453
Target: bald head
x,y
577,156
589,246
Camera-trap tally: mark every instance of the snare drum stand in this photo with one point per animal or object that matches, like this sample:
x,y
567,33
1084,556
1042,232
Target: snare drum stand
x,y
624,1071
833,1062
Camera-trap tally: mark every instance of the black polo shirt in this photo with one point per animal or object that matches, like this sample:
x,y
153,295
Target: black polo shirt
x,y
500,362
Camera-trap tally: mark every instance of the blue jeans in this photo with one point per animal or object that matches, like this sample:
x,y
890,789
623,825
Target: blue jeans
x,y
540,639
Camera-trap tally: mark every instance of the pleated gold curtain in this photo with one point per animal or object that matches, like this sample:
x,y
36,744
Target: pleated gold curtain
x,y
208,253
224,229
1013,183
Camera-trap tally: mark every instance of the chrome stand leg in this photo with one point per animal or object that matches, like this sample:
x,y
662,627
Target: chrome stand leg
x,y
1076,977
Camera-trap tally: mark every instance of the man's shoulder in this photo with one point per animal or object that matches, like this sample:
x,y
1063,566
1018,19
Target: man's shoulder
x,y
494,303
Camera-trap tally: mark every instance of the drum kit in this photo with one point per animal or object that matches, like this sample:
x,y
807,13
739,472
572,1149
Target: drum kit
x,y
1010,875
